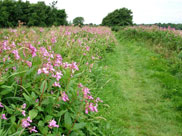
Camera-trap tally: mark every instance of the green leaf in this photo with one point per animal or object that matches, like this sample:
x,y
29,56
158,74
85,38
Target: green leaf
x,y
13,118
33,113
41,124
43,86
9,110
79,126
61,113
67,120
27,98
2,80
6,89
43,130
48,118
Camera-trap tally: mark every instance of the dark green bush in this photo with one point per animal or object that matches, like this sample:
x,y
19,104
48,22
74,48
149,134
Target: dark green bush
x,y
38,14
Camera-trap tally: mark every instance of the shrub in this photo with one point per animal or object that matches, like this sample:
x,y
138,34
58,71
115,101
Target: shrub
x,y
119,17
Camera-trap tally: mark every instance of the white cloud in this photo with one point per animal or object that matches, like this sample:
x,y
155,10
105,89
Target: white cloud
x,y
144,11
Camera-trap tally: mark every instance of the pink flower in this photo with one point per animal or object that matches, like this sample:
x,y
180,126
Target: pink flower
x,y
33,129
53,40
15,52
90,97
41,30
45,71
49,67
56,84
79,41
58,60
25,123
74,66
86,91
87,48
58,75
98,100
5,45
14,68
37,100
86,110
33,50
24,106
13,44
65,97
44,52
66,65
23,113
49,47
1,105
29,63
4,60
93,108
80,85
29,120
3,116
53,124
39,71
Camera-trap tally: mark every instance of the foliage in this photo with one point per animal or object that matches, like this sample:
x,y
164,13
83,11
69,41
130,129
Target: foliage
x,y
78,21
132,92
168,43
170,25
38,14
119,17
46,79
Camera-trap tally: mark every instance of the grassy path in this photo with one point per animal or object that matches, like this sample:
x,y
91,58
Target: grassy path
x,y
135,96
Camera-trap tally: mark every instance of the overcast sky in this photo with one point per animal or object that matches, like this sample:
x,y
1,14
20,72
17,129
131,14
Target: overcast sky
x,y
144,11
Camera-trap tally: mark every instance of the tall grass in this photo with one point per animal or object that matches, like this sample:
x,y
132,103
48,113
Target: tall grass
x,y
168,43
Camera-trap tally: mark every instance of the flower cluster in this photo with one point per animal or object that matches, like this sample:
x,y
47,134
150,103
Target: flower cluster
x,y
40,69
89,100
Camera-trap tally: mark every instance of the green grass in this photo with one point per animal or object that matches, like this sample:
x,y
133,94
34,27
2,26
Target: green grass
x,y
133,93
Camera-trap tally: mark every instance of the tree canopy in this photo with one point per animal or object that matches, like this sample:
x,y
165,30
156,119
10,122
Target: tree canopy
x,y
38,14
119,17
78,21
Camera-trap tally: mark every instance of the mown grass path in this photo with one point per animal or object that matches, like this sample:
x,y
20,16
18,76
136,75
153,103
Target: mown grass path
x,y
135,96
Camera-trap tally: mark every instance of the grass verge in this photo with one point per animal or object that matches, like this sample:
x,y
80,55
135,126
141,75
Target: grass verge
x,y
132,87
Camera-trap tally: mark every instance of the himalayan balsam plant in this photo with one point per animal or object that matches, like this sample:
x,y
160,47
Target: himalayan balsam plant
x,y
45,83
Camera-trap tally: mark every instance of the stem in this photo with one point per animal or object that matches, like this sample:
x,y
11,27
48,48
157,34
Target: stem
x,y
41,95
71,127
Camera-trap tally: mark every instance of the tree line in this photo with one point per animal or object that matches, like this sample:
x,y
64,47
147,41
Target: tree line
x,y
39,14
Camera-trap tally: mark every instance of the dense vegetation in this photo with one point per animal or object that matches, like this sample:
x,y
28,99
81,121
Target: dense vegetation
x,y
134,92
119,17
38,14
167,25
54,80
168,44
46,80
